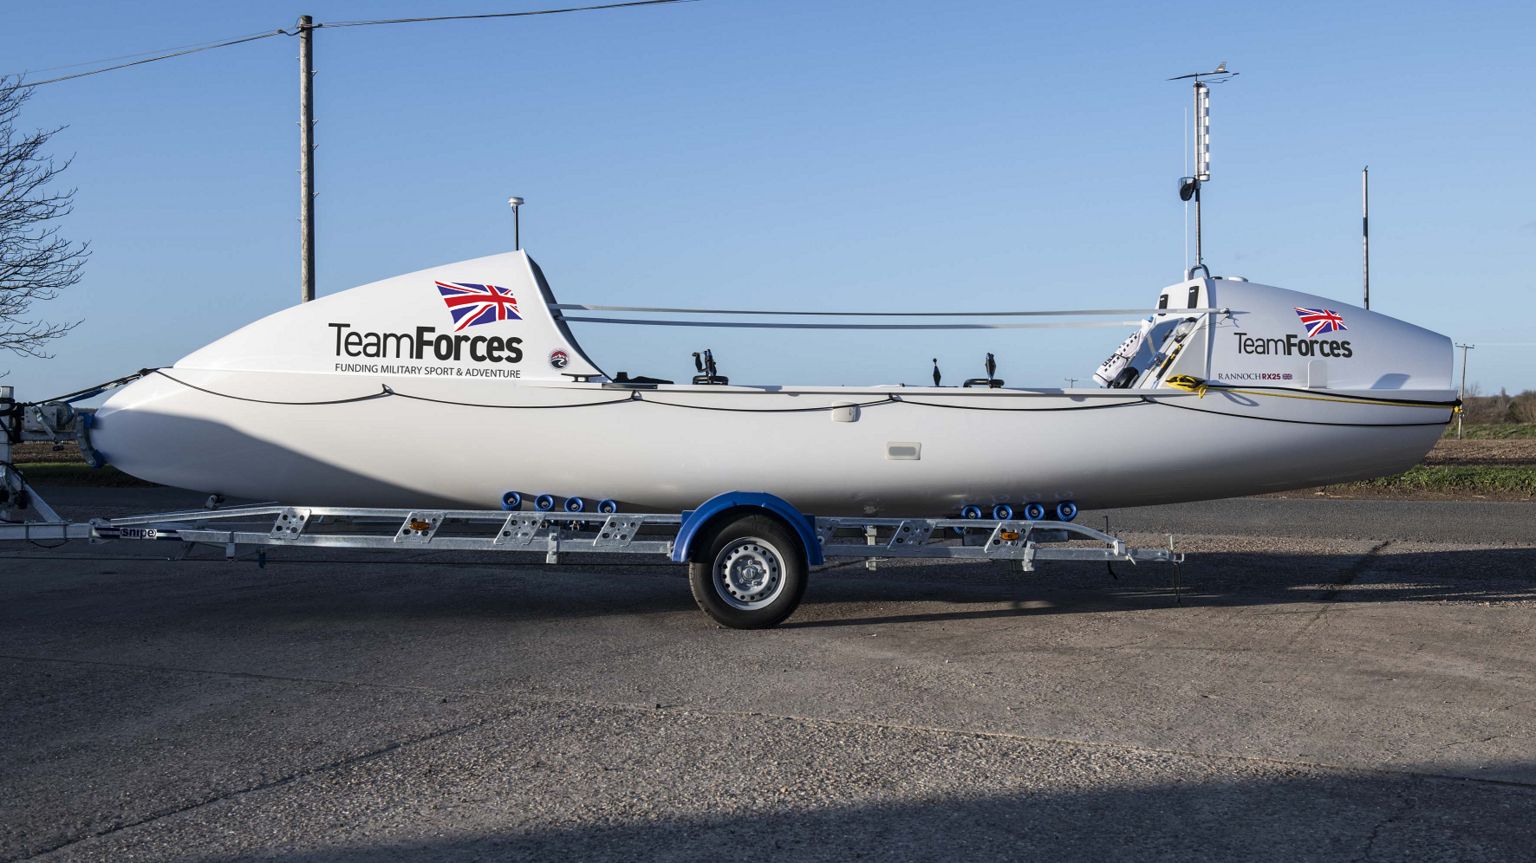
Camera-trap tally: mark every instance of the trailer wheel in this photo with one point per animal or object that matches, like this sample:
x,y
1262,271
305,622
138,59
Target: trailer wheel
x,y
751,574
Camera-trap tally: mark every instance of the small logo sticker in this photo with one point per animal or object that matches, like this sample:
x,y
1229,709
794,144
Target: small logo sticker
x,y
559,358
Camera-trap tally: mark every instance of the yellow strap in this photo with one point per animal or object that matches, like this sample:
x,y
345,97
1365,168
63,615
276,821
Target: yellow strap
x,y
1188,383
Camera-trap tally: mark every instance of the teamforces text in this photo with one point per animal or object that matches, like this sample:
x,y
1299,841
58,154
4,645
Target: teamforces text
x,y
426,343
1293,346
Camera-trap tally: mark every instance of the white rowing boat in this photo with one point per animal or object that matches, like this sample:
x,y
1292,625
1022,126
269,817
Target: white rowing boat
x,y
462,385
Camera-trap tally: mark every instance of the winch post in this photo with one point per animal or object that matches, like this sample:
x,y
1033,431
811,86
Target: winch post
x,y
16,497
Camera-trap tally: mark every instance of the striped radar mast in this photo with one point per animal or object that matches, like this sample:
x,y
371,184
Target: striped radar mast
x,y
1189,187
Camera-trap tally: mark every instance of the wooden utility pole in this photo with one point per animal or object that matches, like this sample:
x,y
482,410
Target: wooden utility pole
x,y
306,160
1462,392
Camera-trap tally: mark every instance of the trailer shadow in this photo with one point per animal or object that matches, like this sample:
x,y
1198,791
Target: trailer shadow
x,y
847,594
973,591
358,585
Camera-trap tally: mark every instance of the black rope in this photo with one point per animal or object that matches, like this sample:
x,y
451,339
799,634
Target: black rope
x,y
885,401
629,398
385,392
1138,400
98,389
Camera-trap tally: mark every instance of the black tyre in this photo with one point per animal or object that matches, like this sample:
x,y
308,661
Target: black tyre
x,y
750,574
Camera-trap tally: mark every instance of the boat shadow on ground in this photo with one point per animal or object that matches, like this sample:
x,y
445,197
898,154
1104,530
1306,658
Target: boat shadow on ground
x,y
1205,580
1269,816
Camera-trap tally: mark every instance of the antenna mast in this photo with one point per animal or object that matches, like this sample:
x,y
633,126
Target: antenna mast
x,y
1365,230
1189,187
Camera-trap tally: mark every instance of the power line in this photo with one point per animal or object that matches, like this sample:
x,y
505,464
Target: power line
x,y
596,8
136,55
155,57
182,53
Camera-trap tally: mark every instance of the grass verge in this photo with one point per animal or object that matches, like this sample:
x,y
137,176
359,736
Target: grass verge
x,y
79,473
1493,431
1503,481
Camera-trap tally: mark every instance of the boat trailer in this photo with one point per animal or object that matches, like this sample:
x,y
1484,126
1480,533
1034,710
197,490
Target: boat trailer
x,y
748,553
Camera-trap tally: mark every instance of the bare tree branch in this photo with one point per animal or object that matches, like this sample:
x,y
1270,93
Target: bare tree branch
x,y
35,262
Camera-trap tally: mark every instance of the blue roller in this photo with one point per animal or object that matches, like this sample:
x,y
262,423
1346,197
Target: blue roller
x,y
971,511
1034,511
511,500
608,506
575,504
1066,511
1002,512
544,502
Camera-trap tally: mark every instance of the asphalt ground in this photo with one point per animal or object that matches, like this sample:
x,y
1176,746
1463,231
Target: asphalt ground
x,y
1331,680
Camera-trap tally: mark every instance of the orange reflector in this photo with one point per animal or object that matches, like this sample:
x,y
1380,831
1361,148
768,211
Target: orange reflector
x,y
1009,535
419,525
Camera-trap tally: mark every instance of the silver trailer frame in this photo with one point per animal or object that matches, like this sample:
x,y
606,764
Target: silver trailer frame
x,y
1020,544
562,533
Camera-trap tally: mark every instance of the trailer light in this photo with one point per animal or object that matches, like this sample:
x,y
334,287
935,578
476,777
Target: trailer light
x,y
1009,535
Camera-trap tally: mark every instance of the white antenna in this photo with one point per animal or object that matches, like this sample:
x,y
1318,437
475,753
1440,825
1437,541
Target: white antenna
x,y
1189,187
517,223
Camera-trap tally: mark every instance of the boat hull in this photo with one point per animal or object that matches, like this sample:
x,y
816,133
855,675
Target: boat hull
x,y
336,440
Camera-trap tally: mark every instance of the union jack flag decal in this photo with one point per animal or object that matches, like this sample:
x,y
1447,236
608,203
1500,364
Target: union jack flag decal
x,y
1319,321
478,304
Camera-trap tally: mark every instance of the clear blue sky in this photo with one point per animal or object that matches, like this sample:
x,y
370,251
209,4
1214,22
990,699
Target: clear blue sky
x,y
802,153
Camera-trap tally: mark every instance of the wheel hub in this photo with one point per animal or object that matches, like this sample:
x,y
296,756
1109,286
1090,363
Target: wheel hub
x,y
748,574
